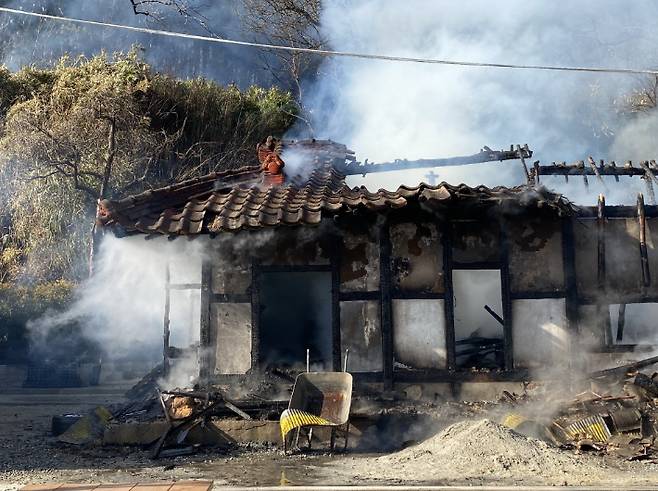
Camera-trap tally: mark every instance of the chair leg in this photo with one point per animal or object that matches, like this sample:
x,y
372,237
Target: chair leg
x,y
347,435
297,437
310,437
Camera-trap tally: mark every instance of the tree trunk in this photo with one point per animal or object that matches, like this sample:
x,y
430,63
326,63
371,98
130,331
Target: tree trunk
x,y
97,231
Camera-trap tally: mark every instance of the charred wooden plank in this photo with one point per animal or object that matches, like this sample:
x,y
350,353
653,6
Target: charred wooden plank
x,y
506,298
335,304
621,321
486,155
646,276
166,322
207,356
449,308
386,308
597,173
623,369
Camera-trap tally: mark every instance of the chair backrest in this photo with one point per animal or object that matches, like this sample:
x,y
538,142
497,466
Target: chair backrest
x,y
324,394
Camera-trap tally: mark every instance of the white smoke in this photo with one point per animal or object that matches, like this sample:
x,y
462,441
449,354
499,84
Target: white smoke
x,y
121,307
387,110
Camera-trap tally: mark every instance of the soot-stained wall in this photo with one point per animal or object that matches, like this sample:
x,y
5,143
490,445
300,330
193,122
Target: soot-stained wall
x,y
549,285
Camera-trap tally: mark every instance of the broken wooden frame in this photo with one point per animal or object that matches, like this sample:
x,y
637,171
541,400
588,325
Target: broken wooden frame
x,y
169,286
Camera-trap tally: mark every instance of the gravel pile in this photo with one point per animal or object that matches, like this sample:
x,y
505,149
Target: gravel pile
x,y
484,451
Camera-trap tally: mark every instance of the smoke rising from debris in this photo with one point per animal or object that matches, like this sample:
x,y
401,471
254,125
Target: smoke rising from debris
x,y
386,110
121,308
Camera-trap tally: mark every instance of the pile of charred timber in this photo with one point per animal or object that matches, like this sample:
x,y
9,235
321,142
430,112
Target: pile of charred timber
x,y
617,416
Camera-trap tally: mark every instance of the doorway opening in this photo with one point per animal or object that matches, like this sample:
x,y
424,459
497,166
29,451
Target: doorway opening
x,y
478,307
295,316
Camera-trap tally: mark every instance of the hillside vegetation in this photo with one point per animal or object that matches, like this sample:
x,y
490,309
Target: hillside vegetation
x,y
100,127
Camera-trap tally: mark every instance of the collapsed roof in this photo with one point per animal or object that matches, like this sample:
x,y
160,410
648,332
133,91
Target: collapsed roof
x,y
249,198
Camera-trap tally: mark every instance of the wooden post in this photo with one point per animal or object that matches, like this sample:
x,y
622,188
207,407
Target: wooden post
x,y
646,276
581,164
535,166
167,331
207,338
448,302
621,321
603,314
600,242
525,167
386,308
335,304
592,164
255,315
569,265
508,337
652,194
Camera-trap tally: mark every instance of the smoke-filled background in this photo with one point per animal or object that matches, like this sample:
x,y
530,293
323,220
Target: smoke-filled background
x,y
385,110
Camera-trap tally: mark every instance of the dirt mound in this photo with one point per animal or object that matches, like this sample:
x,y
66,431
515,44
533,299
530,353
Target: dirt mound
x,y
484,447
483,451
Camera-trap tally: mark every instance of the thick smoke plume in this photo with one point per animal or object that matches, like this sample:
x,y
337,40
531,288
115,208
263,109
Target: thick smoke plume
x,y
386,110
121,308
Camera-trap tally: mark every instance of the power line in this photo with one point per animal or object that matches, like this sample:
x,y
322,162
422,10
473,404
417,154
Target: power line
x,y
324,52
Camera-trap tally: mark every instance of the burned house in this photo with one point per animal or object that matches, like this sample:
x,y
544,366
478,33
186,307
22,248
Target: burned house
x,y
436,285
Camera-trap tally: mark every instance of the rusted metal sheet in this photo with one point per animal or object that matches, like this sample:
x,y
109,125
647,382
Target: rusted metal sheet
x,y
592,428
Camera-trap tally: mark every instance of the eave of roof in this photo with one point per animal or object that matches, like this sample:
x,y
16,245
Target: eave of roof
x,y
233,200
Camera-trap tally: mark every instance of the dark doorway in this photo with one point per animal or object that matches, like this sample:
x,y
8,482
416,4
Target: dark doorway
x,y
296,316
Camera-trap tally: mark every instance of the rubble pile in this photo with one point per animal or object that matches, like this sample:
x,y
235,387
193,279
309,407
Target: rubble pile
x,y
622,421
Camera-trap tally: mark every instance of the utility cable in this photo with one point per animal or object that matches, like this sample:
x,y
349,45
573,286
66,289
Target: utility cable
x,y
330,53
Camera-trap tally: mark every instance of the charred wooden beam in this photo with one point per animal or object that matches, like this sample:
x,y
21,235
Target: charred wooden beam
x,y
621,321
506,299
335,304
485,155
597,173
166,326
569,268
385,304
255,314
603,315
519,150
641,216
535,173
620,370
449,308
602,169
581,166
600,241
206,336
493,314
616,211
